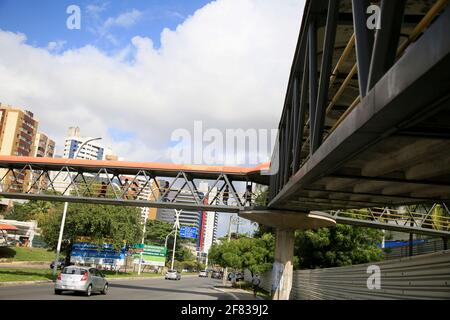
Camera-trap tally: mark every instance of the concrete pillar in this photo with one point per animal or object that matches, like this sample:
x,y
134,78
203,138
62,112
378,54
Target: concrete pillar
x,y
282,273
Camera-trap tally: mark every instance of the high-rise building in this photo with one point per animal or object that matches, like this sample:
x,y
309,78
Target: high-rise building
x,y
17,131
205,221
17,137
187,217
208,229
93,150
140,189
43,146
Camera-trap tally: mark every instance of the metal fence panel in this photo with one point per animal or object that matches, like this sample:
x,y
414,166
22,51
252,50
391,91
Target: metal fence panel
x,y
420,277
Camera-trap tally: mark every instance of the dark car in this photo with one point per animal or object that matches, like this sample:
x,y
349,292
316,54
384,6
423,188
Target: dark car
x,y
239,276
61,264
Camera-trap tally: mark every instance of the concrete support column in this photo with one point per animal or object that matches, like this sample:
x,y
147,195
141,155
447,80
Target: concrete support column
x,y
282,273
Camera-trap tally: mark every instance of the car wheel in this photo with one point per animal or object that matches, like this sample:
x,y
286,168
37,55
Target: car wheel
x,y
89,290
105,289
58,292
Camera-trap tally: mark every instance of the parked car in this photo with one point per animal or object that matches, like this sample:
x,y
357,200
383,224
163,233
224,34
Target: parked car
x,y
239,276
173,275
217,275
81,279
203,274
61,264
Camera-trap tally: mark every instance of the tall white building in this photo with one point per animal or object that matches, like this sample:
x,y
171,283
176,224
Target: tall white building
x,y
93,150
209,221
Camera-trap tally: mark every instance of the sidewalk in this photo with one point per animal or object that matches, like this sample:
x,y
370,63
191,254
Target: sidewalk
x,y
238,294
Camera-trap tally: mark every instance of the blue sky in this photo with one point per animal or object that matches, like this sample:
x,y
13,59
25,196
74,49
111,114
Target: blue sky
x,y
226,65
44,21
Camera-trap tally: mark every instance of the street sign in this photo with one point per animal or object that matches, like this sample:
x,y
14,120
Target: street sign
x,y
151,255
188,232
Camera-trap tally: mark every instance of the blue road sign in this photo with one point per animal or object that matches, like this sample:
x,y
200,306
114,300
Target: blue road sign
x,y
188,232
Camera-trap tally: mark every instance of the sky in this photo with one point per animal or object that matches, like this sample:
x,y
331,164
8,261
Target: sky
x,y
137,70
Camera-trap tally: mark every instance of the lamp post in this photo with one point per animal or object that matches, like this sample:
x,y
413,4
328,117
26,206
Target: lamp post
x,y
142,242
167,237
233,220
176,225
63,220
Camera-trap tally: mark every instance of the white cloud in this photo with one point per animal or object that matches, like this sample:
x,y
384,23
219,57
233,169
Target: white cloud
x,y
95,10
228,65
125,20
56,46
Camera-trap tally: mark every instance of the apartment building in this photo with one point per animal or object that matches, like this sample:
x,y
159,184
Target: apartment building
x,y
18,130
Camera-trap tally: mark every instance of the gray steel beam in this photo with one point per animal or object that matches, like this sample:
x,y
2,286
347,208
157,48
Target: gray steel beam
x,y
312,55
364,42
386,40
288,148
302,113
129,203
388,226
325,73
295,123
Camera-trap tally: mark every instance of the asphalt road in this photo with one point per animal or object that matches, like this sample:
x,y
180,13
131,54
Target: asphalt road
x,y
188,288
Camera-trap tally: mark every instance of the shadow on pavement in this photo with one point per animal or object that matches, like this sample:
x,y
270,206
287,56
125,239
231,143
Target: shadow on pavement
x,y
218,295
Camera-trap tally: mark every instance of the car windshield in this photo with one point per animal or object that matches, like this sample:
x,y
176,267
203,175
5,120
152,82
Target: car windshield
x,y
172,271
76,271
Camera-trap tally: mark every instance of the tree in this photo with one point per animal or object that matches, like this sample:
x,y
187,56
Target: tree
x,y
156,232
255,254
31,210
115,225
339,246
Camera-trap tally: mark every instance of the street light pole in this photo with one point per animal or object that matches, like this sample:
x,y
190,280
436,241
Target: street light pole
x,y
63,220
225,273
177,221
61,230
142,242
167,237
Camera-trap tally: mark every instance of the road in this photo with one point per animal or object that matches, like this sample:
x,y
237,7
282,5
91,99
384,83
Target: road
x,y
188,288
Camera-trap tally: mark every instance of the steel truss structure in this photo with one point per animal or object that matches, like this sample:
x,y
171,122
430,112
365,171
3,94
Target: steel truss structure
x,y
366,118
417,219
126,186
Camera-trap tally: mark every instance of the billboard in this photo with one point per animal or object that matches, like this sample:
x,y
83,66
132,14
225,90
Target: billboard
x,y
151,255
90,253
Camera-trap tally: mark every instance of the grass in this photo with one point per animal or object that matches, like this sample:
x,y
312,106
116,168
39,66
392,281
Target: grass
x,y
11,254
8,275
247,286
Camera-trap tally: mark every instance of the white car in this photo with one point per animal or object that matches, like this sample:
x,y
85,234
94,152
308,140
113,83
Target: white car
x,y
80,279
203,273
173,275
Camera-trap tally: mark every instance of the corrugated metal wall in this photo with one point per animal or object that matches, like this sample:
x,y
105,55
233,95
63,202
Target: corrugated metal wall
x,y
420,277
431,245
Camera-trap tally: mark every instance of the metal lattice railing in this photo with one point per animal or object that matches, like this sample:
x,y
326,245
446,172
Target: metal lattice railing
x,y
142,188
433,218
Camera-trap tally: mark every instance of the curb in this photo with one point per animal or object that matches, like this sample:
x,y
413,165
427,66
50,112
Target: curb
x,y
230,292
37,282
19,283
